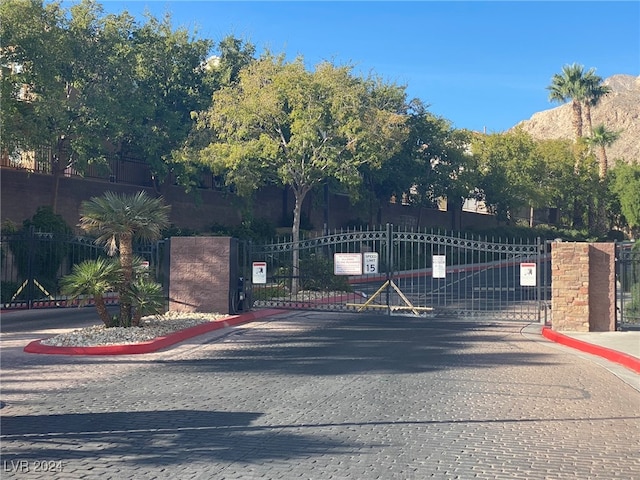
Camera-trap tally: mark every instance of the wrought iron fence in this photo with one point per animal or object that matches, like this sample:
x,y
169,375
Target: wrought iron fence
x,y
117,169
397,270
628,286
34,262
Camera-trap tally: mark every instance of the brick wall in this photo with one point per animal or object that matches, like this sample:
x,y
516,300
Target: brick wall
x,y
22,193
583,286
200,273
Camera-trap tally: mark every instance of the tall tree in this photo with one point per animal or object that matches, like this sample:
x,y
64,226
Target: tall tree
x,y
625,185
560,187
570,85
283,124
70,78
601,138
171,81
579,87
88,85
511,172
443,169
594,92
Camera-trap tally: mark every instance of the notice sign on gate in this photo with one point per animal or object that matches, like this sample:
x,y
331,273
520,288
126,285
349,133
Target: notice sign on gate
x,y
259,272
347,264
439,266
528,274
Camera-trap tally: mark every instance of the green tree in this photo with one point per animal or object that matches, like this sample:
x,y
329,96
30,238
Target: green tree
x,y
64,89
283,124
92,279
222,70
88,86
600,139
594,92
570,85
170,80
435,163
559,185
625,185
118,220
510,171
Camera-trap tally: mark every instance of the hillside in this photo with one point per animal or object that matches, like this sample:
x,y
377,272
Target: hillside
x,y
618,111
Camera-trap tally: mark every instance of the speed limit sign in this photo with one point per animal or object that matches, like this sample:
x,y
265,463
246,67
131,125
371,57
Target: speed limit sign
x,y
370,262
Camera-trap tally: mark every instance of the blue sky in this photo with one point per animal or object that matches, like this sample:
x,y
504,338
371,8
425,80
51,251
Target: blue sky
x,y
481,65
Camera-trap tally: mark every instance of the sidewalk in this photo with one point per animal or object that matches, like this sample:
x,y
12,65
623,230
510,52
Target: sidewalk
x,y
619,347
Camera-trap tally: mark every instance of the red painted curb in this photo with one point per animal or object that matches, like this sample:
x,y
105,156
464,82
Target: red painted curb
x,y
153,345
628,361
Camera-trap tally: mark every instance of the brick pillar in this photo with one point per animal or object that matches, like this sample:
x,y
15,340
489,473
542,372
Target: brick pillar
x,y
602,293
583,286
200,273
570,286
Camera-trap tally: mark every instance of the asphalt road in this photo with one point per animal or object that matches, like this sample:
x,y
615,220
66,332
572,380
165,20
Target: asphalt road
x,y
14,321
323,396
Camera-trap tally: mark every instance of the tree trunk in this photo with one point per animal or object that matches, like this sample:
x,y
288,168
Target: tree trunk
x,y
531,216
295,234
455,212
101,307
587,116
126,262
577,118
57,160
603,164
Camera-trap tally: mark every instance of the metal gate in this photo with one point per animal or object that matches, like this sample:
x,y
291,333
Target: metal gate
x,y
628,286
32,264
406,272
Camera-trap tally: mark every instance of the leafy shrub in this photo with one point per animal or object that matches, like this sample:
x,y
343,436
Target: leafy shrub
x,y
316,273
7,290
256,230
269,291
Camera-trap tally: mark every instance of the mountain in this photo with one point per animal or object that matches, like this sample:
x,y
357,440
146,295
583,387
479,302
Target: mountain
x,y
618,111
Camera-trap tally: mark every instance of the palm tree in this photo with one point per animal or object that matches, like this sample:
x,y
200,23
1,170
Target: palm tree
x,y
92,279
570,85
601,138
595,91
118,219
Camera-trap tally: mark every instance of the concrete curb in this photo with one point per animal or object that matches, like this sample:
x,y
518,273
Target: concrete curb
x,y
628,361
153,345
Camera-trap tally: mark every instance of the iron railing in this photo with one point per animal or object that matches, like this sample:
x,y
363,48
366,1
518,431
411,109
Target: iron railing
x,y
628,286
34,262
403,271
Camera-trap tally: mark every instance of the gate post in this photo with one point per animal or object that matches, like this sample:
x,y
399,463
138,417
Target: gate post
x,y
202,273
389,265
583,284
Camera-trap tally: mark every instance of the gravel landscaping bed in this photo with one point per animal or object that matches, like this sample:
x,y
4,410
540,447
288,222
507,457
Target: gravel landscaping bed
x,y
150,328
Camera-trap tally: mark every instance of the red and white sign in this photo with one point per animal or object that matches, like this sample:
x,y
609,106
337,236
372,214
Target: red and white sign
x,y
259,272
528,275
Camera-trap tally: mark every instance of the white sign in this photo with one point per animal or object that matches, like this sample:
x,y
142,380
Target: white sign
x,y
347,264
259,272
439,266
371,262
528,274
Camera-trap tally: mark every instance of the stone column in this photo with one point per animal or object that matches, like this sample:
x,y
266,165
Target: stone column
x,y
583,287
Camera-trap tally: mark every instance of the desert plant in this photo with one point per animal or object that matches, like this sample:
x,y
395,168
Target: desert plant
x,y
93,279
118,219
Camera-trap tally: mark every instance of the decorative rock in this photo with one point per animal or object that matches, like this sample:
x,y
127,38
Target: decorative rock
x,y
151,327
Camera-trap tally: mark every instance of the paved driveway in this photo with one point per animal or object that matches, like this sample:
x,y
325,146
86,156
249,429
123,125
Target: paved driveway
x,y
323,396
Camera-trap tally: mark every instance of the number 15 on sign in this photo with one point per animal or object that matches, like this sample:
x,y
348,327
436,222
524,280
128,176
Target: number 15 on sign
x,y
370,262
